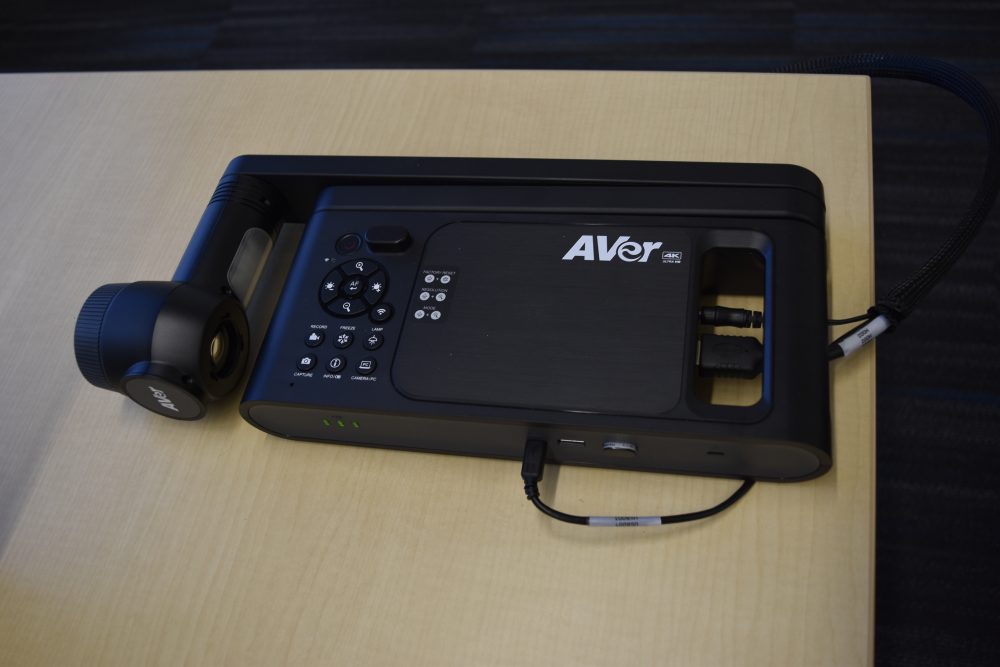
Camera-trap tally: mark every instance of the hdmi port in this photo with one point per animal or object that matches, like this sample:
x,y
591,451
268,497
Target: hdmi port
x,y
572,442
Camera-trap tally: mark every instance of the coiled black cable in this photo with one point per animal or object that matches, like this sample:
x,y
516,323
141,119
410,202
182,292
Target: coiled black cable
x,y
533,468
904,296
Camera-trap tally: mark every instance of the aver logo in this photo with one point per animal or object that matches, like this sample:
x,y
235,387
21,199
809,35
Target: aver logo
x,y
163,399
623,249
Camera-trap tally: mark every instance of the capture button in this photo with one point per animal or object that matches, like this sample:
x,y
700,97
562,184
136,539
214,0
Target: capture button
x,y
343,340
336,364
331,283
377,285
381,313
366,366
347,307
315,338
355,267
374,341
307,362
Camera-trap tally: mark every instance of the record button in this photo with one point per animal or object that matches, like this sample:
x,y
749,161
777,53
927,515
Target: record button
x,y
315,338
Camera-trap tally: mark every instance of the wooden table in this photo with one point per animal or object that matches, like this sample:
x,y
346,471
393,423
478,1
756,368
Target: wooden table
x,y
126,538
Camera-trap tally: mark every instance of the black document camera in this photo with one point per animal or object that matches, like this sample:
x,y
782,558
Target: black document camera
x,y
468,305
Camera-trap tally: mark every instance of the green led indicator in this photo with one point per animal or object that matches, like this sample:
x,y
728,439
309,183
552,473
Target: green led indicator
x,y
340,423
326,422
355,424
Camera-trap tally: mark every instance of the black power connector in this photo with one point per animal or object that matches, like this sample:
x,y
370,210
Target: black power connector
x,y
720,316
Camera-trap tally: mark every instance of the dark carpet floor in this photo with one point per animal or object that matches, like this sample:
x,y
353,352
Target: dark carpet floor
x,y
938,570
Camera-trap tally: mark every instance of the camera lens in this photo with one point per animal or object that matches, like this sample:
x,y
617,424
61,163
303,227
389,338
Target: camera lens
x,y
348,243
217,348
223,350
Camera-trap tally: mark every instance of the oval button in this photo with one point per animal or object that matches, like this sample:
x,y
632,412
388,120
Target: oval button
x,y
620,448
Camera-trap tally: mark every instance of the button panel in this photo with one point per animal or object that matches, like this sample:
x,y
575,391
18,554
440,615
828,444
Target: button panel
x,y
435,287
354,287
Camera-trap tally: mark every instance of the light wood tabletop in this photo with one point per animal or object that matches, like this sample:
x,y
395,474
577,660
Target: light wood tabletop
x,y
126,538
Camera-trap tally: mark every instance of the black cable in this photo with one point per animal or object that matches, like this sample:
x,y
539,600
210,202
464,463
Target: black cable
x,y
533,467
848,320
903,297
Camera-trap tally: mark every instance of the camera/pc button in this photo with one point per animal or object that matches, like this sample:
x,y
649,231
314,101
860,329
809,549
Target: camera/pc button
x,y
366,366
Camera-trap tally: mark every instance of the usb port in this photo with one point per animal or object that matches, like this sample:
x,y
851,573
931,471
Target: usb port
x,y
572,442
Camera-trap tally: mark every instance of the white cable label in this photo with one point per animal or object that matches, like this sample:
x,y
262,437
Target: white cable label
x,y
863,336
622,521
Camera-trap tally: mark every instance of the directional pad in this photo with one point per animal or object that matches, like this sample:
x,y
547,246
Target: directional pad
x,y
353,287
